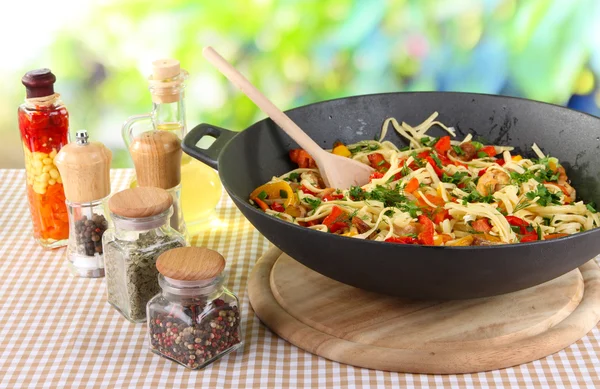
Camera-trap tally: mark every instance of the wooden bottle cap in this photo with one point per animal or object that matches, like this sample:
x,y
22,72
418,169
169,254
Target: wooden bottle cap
x,y
140,202
190,264
157,159
84,168
163,69
166,81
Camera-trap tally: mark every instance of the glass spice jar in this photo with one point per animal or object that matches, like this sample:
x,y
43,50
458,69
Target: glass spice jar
x,y
141,233
44,127
194,320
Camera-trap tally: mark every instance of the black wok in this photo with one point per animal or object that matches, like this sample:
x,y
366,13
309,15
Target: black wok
x,y
250,158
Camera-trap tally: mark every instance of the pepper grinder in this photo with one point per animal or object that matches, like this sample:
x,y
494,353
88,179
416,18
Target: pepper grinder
x,y
157,159
85,170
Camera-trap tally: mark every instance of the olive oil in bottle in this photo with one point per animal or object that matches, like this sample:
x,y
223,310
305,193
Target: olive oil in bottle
x,y
200,184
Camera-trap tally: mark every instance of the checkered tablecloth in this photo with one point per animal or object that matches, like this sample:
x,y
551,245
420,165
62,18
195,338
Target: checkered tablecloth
x,y
58,331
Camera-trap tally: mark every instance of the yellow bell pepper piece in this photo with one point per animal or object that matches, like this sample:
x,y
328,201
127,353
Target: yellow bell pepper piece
x,y
517,158
274,190
341,150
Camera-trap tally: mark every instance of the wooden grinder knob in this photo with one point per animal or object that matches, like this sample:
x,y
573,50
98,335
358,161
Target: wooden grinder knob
x,y
157,159
84,169
190,264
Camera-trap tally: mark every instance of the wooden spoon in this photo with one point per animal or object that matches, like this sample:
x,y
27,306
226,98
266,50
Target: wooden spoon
x,y
337,171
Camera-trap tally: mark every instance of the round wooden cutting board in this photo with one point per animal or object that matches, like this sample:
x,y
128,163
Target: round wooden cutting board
x,y
365,329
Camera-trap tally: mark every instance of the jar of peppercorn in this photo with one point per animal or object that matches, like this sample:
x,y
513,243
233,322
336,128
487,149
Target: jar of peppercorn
x,y
44,127
194,320
85,169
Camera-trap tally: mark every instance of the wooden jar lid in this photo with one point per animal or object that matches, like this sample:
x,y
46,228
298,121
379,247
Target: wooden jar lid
x,y
140,202
190,264
157,159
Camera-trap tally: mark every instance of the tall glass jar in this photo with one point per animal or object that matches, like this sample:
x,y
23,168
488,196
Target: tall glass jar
x,y
194,320
44,127
87,222
140,234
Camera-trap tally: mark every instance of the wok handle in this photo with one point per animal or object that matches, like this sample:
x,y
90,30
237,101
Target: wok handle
x,y
210,155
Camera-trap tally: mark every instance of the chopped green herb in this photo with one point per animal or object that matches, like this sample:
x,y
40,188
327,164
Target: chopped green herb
x,y
539,232
405,148
390,197
357,193
545,196
547,175
373,147
522,204
381,162
548,220
516,229
591,207
411,208
518,178
475,197
262,195
437,160
283,194
313,203
481,154
455,178
294,176
458,150
389,213
405,171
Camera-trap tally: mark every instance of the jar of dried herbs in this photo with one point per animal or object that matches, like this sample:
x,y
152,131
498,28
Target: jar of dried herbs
x,y
141,233
194,320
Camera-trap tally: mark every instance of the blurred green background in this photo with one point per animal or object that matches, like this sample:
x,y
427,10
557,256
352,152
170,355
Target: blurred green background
x,y
297,52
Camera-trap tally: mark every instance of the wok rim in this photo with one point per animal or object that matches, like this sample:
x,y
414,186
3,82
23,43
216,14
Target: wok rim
x,y
247,205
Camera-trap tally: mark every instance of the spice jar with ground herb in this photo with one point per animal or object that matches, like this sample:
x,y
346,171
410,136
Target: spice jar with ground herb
x,y
194,320
141,233
85,169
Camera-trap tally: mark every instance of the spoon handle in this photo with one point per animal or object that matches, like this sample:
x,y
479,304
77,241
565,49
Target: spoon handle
x,y
261,101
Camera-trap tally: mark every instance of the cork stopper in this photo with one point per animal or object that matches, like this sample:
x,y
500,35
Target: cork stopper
x,y
39,83
85,169
190,264
157,159
140,202
166,82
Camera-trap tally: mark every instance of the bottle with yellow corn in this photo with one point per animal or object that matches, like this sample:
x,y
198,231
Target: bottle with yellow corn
x,y
44,127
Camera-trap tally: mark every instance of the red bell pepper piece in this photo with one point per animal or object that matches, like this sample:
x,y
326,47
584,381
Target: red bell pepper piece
x,y
277,207
481,225
426,235
333,196
437,170
500,161
440,215
443,144
529,238
302,158
336,220
489,150
378,162
516,221
402,240
305,190
482,172
375,175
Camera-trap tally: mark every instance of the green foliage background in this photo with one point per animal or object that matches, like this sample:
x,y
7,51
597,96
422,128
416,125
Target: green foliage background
x,y
299,52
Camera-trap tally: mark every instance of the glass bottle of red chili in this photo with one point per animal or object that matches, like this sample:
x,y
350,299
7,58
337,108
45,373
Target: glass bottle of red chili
x,y
44,127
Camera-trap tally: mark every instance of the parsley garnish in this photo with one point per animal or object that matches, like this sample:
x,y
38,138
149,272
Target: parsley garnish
x,y
283,194
405,171
405,148
373,147
314,204
522,204
389,213
591,207
357,193
475,197
547,175
519,178
455,178
390,197
481,154
410,207
545,196
293,176
262,195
